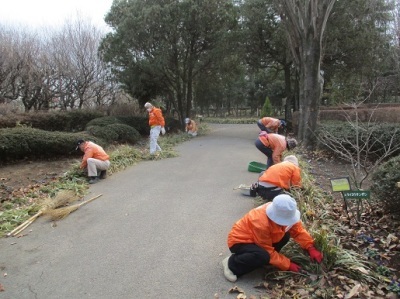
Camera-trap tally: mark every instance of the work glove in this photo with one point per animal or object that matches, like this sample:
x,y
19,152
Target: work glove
x,y
294,268
163,130
315,255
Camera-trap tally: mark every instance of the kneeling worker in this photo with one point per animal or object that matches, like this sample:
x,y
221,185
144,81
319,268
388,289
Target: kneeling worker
x,y
257,238
278,178
94,159
191,127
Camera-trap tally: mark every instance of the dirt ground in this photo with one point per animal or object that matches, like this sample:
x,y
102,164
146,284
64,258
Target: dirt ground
x,y
27,173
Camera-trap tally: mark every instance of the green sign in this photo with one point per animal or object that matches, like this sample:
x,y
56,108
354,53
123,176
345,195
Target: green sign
x,y
340,184
356,194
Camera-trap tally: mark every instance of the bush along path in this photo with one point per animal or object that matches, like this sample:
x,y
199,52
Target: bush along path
x,y
28,201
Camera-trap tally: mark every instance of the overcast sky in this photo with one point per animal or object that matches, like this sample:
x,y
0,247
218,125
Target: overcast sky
x,y
38,13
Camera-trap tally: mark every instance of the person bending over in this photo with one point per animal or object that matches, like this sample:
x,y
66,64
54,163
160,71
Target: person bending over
x,y
256,240
277,179
94,159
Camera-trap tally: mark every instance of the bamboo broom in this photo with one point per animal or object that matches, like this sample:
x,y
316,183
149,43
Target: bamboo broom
x,y
62,198
61,213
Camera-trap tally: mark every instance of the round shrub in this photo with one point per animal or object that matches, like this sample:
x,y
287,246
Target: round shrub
x,y
119,133
104,132
140,123
102,121
125,133
384,185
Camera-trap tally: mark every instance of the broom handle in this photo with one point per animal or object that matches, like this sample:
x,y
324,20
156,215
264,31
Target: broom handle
x,y
22,225
28,222
89,200
23,228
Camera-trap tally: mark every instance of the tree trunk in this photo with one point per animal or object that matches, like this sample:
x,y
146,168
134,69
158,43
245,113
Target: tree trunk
x,y
310,92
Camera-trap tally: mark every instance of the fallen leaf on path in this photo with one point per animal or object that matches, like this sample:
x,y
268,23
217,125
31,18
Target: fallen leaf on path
x,y
1,288
236,289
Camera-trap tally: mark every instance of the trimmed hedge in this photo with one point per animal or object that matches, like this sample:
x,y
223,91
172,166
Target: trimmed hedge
x,y
140,123
384,185
23,142
115,132
64,121
382,134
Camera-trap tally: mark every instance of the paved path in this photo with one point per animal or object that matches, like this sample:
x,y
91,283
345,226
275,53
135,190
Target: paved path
x,y
158,231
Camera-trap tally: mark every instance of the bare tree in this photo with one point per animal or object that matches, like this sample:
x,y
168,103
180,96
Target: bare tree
x,y
74,51
305,23
10,64
364,150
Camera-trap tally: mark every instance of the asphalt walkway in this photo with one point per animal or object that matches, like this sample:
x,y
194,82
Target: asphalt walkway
x,y
158,231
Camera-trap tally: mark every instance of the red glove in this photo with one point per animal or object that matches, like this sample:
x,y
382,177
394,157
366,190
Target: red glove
x,y
315,255
294,268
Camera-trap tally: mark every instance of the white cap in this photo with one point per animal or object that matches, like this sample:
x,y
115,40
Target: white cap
x,y
148,105
187,120
283,210
292,159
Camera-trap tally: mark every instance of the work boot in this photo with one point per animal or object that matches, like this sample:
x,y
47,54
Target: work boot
x,y
253,193
93,179
227,272
103,174
253,190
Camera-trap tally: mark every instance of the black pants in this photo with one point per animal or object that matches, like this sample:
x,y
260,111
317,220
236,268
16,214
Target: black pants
x,y
248,257
266,151
268,193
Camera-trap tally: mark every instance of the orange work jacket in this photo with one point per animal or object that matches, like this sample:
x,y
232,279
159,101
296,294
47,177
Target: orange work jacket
x,y
275,142
191,126
92,150
271,123
256,228
284,175
156,118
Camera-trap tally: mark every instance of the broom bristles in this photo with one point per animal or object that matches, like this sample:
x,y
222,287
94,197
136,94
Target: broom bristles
x,y
61,199
61,213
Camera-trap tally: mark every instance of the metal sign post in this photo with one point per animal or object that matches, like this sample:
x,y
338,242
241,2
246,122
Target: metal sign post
x,y
342,185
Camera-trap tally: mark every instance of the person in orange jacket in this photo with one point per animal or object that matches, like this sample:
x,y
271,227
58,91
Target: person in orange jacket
x,y
94,159
257,239
156,123
191,127
270,124
278,178
273,145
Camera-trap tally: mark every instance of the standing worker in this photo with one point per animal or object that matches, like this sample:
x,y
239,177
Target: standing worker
x,y
191,127
270,124
156,123
94,159
278,178
257,238
273,145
